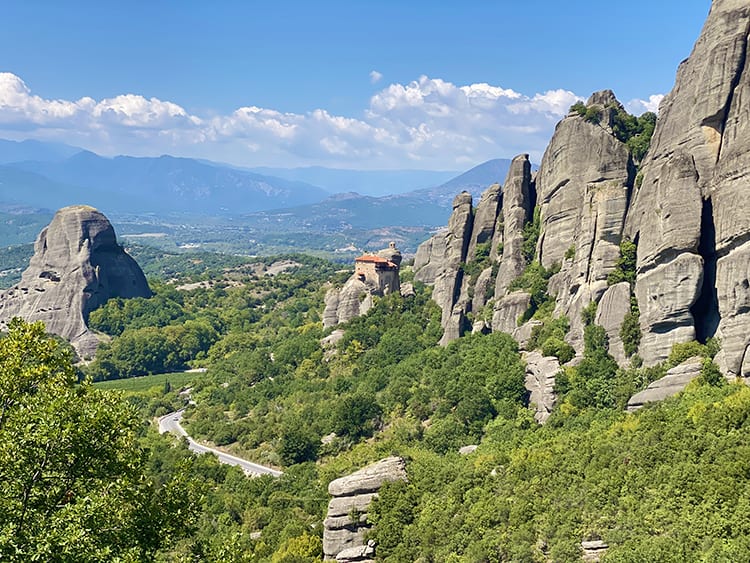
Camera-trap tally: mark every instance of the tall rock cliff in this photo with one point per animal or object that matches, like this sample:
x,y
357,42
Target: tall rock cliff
x,y
519,197
439,262
691,213
76,267
584,183
659,239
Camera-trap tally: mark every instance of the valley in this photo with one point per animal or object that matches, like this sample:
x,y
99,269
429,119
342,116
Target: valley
x,y
541,359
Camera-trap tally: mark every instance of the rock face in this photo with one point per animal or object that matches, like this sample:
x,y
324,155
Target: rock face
x,y
583,183
687,211
592,551
612,309
507,311
346,521
518,207
540,383
342,305
675,381
691,213
439,259
77,266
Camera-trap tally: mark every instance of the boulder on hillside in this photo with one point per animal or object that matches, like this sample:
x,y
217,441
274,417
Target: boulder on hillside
x,y
346,522
674,382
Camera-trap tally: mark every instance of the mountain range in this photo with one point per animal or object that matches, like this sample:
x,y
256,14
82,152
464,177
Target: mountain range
x,y
46,176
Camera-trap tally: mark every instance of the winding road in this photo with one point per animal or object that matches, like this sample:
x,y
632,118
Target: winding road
x,y
171,423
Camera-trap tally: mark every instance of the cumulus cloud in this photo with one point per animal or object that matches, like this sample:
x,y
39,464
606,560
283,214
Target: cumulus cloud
x,y
375,76
638,106
429,122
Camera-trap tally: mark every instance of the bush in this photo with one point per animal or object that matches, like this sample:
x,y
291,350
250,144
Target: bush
x,y
579,108
531,235
593,114
630,333
534,280
563,351
682,351
589,313
625,266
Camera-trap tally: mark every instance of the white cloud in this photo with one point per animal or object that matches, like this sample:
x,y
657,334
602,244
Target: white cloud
x,y
637,107
429,123
375,76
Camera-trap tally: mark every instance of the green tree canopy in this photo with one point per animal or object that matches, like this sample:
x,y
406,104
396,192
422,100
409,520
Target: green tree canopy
x,y
72,486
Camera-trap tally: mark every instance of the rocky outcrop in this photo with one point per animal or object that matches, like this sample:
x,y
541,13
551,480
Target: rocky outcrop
x,y
691,214
686,211
519,198
350,301
540,383
592,551
485,219
508,310
374,274
672,383
583,183
439,260
346,522
611,312
76,267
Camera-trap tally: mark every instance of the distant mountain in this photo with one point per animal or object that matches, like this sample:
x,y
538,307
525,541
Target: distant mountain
x,y
15,151
474,181
163,184
20,188
428,207
366,182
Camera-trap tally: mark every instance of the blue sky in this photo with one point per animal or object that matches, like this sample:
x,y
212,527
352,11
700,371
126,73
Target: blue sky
x,y
438,85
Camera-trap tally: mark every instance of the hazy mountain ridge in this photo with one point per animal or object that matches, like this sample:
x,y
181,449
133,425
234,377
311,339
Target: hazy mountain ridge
x,y
166,183
376,183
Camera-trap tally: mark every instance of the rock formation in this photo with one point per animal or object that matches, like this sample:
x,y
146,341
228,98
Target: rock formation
x,y
681,209
691,214
672,383
611,312
439,262
592,551
77,266
540,383
583,183
374,274
518,207
346,521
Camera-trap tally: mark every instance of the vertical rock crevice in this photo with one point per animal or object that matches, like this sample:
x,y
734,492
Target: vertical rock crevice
x,y
705,311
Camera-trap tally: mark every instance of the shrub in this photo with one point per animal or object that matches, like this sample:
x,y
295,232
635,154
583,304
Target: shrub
x,y
563,351
534,280
630,333
579,108
589,313
681,351
593,114
531,236
625,266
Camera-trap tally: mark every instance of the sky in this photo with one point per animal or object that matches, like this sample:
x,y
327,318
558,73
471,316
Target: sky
x,y
349,84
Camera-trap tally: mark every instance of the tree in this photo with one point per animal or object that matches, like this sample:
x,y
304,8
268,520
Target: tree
x,y
356,416
72,486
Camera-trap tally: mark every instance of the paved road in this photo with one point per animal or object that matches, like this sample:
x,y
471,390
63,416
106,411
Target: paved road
x,y
171,423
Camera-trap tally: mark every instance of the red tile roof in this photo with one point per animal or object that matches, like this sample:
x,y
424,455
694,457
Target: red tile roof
x,y
372,258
